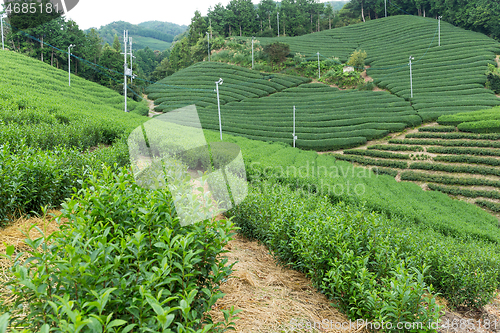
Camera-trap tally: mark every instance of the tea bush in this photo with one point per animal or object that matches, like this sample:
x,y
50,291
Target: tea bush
x,y
122,263
343,249
31,178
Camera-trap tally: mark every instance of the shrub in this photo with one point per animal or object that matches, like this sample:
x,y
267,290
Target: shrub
x,y
122,261
357,60
277,52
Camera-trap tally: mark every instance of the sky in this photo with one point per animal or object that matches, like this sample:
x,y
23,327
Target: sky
x,y
96,13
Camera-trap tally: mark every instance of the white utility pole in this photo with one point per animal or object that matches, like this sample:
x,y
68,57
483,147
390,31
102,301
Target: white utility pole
x,y
278,23
411,79
319,68
131,60
439,28
218,104
252,50
3,45
294,136
208,36
125,67
385,3
69,64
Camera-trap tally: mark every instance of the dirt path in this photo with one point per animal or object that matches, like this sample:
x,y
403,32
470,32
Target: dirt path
x,y
151,104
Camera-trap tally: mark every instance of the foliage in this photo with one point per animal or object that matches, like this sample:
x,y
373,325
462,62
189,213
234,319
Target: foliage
x,y
357,60
477,15
493,206
340,181
448,180
31,178
51,136
375,153
277,52
370,161
481,170
121,265
446,143
348,254
437,129
396,148
162,31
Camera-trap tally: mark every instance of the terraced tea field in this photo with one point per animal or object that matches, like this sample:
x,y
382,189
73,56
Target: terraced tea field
x,y
447,79
439,158
196,85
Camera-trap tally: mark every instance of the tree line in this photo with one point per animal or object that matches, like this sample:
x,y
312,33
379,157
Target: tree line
x,y
478,15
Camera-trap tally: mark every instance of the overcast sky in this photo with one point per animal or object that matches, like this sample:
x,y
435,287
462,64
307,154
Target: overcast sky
x,y
96,13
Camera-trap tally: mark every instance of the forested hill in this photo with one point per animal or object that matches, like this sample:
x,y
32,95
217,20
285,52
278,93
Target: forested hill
x,y
154,34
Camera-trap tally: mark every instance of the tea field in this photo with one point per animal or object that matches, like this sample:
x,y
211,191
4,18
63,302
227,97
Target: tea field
x,y
379,248
447,79
452,158
45,126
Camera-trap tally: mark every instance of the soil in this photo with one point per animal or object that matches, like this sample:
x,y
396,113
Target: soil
x,y
151,103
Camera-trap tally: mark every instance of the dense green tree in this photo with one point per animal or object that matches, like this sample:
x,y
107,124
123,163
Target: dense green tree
x,y
329,13
198,28
116,43
244,19
265,9
217,18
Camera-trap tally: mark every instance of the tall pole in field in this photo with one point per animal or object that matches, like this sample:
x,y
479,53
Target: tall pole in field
x,y
439,28
411,79
294,136
319,68
252,50
125,68
278,23
69,64
385,3
208,36
218,104
3,45
131,61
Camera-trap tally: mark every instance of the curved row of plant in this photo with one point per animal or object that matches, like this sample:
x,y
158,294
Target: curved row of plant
x,y
374,268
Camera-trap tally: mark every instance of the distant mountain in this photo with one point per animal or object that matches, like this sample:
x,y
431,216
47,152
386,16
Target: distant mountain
x,y
153,34
337,5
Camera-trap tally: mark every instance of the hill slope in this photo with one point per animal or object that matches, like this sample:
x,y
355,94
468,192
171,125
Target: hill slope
x,y
33,93
154,34
446,79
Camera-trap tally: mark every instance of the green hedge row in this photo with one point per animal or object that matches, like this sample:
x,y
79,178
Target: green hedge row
x,y
493,206
437,129
334,252
465,192
484,126
31,178
370,161
456,168
464,151
397,148
468,159
448,180
450,136
457,143
375,153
